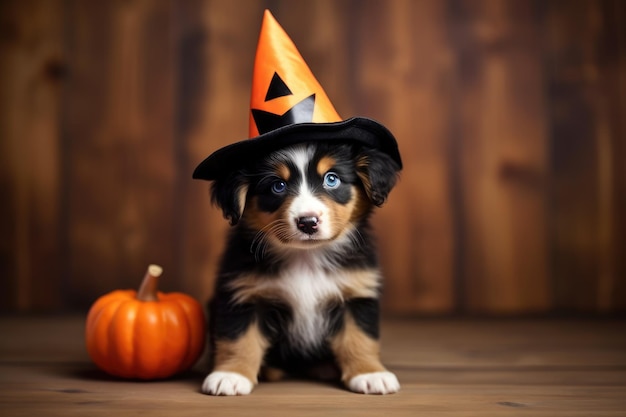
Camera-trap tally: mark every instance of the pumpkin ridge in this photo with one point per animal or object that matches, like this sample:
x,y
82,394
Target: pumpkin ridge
x,y
95,313
193,315
111,357
174,310
162,330
135,340
150,317
120,321
189,349
103,354
103,302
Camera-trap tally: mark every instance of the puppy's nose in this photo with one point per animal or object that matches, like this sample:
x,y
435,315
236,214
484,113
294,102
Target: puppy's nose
x,y
308,224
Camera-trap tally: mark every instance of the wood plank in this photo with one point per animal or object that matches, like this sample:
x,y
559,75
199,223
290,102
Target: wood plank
x,y
613,290
56,392
31,74
402,68
504,344
584,68
446,367
501,147
121,152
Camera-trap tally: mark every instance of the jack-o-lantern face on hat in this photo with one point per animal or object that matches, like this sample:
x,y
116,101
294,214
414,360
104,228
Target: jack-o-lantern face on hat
x,y
284,90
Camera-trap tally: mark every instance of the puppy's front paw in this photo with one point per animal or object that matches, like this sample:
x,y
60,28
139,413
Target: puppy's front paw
x,y
226,383
375,383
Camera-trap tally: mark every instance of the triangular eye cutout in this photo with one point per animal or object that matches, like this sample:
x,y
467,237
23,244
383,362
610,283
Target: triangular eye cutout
x,y
302,112
277,88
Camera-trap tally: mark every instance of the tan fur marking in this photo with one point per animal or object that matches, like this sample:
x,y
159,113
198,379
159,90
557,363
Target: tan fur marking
x,y
361,170
362,204
271,223
340,214
243,191
361,284
356,352
243,355
250,287
283,171
353,284
325,164
258,219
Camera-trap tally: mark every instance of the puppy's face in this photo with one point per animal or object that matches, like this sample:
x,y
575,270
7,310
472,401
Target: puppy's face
x,y
307,195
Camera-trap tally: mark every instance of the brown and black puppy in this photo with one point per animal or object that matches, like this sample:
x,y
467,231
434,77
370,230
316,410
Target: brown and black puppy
x,y
299,281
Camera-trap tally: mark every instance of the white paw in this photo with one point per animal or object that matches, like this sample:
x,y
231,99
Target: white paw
x,y
226,383
375,383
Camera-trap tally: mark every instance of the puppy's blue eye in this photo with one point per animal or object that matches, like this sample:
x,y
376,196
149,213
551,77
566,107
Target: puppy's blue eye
x,y
331,180
279,186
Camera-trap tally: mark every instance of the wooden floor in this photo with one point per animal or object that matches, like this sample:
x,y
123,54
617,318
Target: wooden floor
x,y
446,368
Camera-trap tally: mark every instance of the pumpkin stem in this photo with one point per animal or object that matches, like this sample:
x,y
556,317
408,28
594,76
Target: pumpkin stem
x,y
148,289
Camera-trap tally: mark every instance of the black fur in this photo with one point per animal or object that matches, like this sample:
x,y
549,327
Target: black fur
x,y
225,194
365,312
380,170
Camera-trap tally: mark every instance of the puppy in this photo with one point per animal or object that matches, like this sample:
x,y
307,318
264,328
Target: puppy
x,y
297,290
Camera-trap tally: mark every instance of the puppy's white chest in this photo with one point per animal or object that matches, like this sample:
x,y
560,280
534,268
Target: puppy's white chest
x,y
307,289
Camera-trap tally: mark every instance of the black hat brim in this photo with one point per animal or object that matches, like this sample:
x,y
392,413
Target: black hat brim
x,y
233,157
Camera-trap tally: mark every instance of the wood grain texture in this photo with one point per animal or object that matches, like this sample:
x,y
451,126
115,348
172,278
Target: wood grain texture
x,y
509,117
31,73
585,68
446,368
615,86
120,146
502,157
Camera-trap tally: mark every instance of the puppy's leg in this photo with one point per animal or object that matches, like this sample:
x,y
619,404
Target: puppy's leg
x,y
237,364
357,355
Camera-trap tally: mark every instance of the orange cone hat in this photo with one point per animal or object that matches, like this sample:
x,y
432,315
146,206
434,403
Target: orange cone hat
x,y
284,90
289,106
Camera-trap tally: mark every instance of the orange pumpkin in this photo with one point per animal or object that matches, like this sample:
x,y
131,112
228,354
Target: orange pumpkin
x,y
145,334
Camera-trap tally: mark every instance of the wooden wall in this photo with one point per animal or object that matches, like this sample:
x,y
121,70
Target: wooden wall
x,y
510,117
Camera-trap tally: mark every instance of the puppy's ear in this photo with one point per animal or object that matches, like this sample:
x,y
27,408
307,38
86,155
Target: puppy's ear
x,y
378,174
229,194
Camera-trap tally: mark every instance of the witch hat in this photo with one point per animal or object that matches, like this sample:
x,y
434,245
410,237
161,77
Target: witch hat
x,y
288,106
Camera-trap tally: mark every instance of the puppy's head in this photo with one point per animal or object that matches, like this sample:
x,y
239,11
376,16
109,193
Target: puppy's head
x,y
309,194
